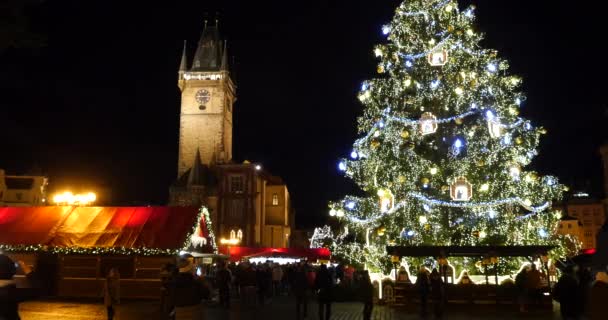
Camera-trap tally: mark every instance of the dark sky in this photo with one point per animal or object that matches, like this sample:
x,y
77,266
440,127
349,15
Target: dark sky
x,y
89,90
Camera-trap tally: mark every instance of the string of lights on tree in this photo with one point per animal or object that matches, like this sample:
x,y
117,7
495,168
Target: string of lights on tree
x,y
143,251
443,150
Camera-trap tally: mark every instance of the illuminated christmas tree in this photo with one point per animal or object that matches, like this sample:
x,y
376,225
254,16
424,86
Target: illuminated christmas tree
x,y
443,149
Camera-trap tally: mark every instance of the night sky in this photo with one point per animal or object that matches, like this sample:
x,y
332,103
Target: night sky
x,y
89,88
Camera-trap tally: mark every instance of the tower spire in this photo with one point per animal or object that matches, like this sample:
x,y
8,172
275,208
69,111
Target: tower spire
x,y
183,65
224,65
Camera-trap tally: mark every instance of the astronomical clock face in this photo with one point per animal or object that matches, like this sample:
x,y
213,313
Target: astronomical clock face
x,y
203,96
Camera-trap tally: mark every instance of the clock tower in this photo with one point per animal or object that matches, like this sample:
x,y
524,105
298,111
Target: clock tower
x,y
208,95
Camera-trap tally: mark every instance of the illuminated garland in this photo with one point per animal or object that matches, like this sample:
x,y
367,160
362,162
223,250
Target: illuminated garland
x,y
424,54
209,226
452,204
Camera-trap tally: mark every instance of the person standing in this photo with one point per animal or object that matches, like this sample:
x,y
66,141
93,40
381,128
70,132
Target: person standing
x,y
565,292
521,282
10,295
423,286
277,277
323,285
367,295
437,293
598,297
111,292
187,291
299,285
224,277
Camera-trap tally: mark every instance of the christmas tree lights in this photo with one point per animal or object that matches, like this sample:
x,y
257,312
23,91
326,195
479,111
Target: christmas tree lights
x,y
443,150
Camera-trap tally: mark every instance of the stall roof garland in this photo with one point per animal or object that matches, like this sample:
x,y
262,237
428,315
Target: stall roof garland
x,y
467,251
144,251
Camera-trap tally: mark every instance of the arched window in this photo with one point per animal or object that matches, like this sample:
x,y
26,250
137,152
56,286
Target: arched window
x,y
239,234
232,234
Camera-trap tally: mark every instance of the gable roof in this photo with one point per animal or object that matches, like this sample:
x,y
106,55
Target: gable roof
x,y
121,230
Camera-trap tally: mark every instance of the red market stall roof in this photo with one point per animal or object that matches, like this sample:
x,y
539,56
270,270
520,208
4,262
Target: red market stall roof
x,y
237,253
120,230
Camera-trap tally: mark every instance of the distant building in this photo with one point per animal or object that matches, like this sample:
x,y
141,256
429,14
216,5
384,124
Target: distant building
x,y
22,190
248,206
583,217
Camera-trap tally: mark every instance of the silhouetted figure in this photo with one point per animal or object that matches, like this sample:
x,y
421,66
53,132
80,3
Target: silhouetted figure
x,y
367,295
111,292
598,297
534,285
324,286
300,287
566,293
437,293
187,291
224,277
424,287
10,295
521,282
584,283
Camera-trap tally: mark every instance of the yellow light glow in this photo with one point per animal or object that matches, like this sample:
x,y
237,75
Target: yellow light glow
x,y
233,241
407,82
527,202
381,193
340,213
470,32
484,187
482,234
459,91
434,171
378,52
432,42
68,198
423,219
332,212
448,8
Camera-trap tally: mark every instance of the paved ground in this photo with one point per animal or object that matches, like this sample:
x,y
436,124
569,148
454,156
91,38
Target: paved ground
x,y
282,308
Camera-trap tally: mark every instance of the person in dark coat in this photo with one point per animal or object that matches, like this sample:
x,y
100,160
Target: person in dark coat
x,y
521,280
324,287
367,295
299,285
187,291
10,295
565,292
111,292
598,297
437,293
424,287
224,278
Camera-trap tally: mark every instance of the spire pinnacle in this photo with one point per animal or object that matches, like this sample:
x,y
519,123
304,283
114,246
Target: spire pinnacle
x,y
183,65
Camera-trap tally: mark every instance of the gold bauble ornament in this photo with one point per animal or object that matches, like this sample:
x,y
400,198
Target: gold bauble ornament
x,y
518,140
380,69
458,121
375,143
425,180
480,163
427,227
401,179
450,29
445,188
405,134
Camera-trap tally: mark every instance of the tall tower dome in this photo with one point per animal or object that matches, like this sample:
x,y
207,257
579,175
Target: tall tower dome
x,y
208,94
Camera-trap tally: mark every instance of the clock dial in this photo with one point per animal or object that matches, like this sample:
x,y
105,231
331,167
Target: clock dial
x,y
203,96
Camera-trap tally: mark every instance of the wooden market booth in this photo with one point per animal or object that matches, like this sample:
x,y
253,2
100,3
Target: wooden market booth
x,y
74,247
480,292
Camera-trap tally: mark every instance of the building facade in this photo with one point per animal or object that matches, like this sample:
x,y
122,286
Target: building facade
x,y
16,191
248,206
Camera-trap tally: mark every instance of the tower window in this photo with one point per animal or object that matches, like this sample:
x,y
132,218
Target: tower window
x,y
232,234
239,234
275,199
236,184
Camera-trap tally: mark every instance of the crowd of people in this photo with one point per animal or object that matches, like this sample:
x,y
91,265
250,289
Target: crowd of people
x,y
256,284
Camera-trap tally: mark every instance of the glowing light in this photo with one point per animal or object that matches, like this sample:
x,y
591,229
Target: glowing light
x,y
70,199
332,212
458,144
426,207
470,32
423,219
550,181
378,52
435,84
489,115
364,86
258,167
342,166
407,82
432,41
484,187
376,134
410,233
232,241
514,171
492,214
492,67
543,233
448,8
434,171
381,124
354,155
409,64
459,91
386,30
468,13
482,234
350,205
518,101
339,213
